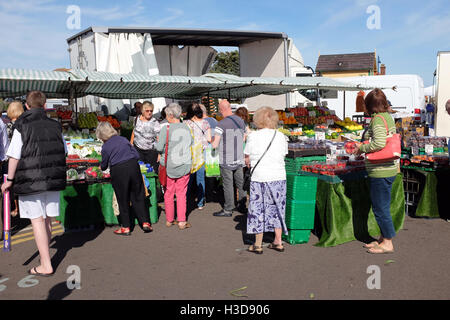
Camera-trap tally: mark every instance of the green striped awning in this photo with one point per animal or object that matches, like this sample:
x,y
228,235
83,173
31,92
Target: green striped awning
x,y
17,82
245,87
57,84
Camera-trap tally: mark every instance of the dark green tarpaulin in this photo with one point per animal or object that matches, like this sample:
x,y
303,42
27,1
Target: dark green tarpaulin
x,y
344,211
434,193
91,204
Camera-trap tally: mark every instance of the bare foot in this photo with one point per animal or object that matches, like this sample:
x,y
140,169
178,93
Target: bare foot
x,y
379,249
373,243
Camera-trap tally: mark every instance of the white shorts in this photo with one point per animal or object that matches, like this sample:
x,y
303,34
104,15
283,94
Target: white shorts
x,y
44,204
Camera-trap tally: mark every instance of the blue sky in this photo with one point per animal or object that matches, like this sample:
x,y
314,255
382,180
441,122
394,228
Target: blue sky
x,y
411,32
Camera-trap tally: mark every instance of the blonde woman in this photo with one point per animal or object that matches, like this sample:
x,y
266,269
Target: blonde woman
x,y
126,178
15,109
144,135
266,212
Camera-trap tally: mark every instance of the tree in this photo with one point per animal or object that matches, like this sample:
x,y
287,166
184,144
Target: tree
x,y
226,62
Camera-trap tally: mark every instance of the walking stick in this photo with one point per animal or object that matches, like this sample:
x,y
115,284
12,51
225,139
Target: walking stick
x,y
6,219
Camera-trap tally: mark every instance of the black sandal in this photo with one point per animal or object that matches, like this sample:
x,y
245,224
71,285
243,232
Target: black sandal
x,y
255,249
276,247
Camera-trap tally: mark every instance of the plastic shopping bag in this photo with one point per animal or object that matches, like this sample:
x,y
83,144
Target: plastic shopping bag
x,y
212,162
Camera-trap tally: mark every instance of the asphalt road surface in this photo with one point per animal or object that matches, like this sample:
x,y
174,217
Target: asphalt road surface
x,y
209,261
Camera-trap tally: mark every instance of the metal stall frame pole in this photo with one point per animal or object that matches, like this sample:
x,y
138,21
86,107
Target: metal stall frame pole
x,y
209,105
344,105
286,70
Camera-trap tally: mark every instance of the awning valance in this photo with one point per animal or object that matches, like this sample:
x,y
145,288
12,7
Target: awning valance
x,y
79,83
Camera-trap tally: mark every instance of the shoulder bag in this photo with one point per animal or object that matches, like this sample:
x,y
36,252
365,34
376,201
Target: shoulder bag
x,y
162,172
391,151
248,175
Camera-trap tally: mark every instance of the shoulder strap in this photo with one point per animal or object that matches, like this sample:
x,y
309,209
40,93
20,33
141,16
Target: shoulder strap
x,y
237,125
385,122
203,132
253,169
167,146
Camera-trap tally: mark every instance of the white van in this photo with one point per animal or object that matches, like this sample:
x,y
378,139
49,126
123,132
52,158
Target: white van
x,y
404,91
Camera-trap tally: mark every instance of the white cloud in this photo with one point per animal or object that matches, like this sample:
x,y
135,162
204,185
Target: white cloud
x,y
338,15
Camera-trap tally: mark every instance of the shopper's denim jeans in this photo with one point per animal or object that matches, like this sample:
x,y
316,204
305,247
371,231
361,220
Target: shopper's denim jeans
x,y
380,193
200,179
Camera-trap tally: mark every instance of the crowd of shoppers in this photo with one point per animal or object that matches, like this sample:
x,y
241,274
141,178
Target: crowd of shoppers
x,y
36,154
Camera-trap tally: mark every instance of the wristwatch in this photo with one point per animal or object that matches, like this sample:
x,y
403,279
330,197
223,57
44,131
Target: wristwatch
x,y
8,179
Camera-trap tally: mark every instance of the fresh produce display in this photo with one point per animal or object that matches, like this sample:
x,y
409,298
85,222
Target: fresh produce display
x,y
350,147
90,149
420,141
87,120
349,125
71,174
334,168
308,144
70,134
287,118
64,114
112,120
307,116
94,173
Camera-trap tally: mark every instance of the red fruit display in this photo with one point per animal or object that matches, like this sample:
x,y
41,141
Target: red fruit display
x,y
350,147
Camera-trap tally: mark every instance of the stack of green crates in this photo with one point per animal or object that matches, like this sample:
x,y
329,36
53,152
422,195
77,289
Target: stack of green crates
x,y
294,165
300,207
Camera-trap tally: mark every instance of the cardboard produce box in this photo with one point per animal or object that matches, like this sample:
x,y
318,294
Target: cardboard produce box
x,y
404,122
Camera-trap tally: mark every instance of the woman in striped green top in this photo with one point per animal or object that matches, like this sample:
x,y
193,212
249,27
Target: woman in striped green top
x,y
381,175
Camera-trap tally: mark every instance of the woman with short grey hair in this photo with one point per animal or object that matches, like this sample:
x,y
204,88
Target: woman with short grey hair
x,y
126,178
177,139
173,109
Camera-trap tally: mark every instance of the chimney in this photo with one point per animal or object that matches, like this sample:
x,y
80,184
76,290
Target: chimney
x,y
382,69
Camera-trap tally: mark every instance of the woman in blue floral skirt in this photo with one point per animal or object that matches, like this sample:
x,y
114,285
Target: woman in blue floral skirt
x,y
267,205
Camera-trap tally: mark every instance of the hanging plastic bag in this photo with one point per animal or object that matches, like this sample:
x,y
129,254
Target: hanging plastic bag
x,y
212,162
197,154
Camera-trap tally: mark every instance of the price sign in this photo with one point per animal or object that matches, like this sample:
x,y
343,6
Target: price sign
x,y
85,131
312,113
429,148
415,151
320,135
330,122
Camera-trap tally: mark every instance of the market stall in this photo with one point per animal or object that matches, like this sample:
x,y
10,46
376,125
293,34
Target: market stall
x,y
89,197
89,189
426,168
338,204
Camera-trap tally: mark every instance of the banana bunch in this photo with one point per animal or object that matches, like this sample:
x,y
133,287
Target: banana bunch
x,y
87,120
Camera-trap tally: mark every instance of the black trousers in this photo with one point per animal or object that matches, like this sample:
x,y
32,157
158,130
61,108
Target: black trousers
x,y
149,156
127,183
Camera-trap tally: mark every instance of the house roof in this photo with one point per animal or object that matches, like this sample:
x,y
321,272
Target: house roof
x,y
193,37
346,62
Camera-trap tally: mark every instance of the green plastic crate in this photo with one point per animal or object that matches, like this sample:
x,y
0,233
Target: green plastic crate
x,y
300,214
295,165
301,187
297,236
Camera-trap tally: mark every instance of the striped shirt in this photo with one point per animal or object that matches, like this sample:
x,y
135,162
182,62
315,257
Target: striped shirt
x,y
377,135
